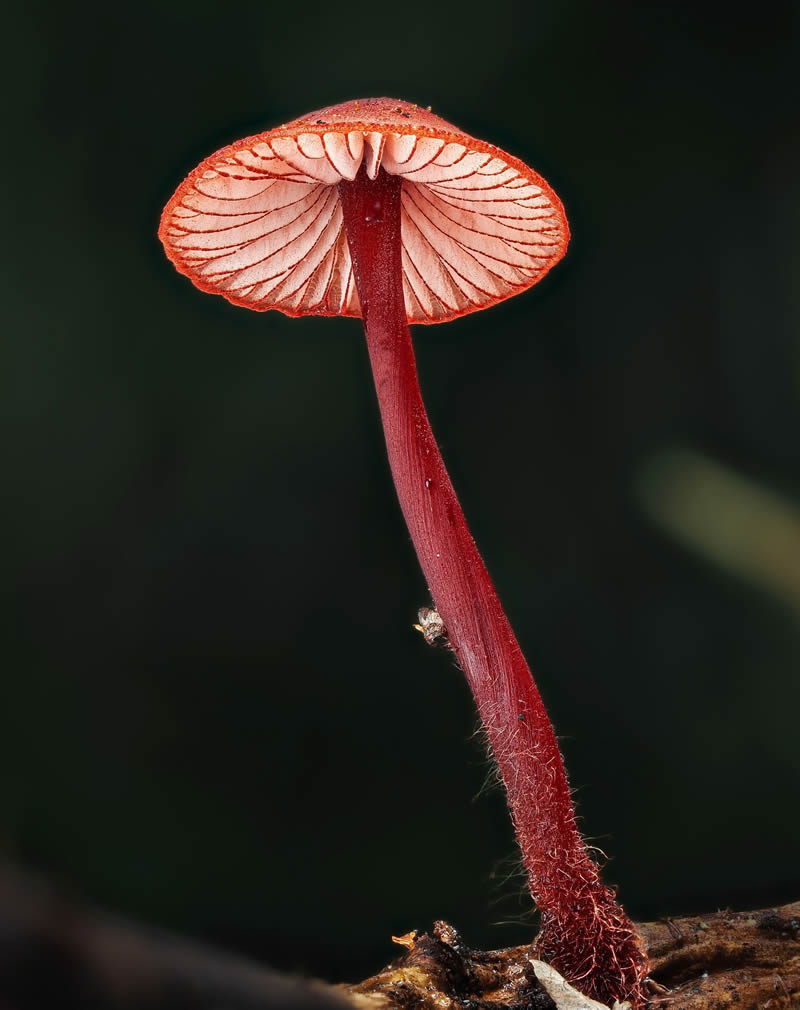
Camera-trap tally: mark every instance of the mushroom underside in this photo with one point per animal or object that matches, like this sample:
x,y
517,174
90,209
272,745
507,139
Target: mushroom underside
x,y
262,224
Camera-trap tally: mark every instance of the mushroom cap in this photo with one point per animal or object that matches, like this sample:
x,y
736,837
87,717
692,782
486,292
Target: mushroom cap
x,y
260,222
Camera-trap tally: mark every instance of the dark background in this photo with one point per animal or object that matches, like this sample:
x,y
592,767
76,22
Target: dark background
x,y
214,713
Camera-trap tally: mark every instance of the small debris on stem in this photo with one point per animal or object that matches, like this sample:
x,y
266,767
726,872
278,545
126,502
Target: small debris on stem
x,y
431,627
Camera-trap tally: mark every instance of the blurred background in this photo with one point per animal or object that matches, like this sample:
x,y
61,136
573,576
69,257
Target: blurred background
x,y
215,716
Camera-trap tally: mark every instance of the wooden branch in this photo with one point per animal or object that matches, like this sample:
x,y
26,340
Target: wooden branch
x,y
742,960
55,953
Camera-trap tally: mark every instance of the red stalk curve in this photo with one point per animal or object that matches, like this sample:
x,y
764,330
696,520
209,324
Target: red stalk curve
x,y
585,933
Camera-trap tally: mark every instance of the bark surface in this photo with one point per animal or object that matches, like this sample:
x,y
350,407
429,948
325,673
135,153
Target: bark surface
x,y
742,960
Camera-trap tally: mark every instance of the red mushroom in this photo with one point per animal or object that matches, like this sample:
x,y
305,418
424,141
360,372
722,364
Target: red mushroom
x,y
380,209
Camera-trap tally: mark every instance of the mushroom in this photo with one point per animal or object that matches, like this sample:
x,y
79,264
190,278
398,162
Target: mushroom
x,y
379,209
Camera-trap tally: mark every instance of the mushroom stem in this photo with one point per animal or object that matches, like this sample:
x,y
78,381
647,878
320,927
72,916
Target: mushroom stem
x,y
585,933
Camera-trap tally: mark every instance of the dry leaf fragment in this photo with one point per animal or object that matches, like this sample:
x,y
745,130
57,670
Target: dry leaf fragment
x,y
565,996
